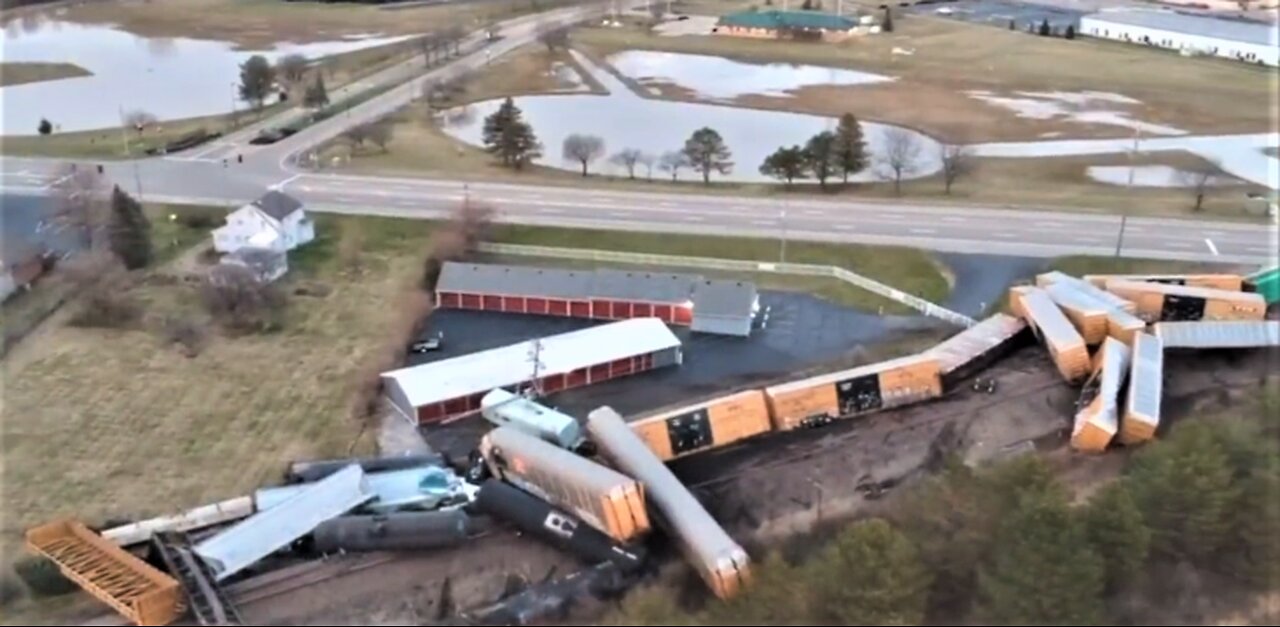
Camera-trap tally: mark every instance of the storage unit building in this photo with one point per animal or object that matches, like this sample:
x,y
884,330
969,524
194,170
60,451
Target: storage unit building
x,y
725,307
975,348
1098,420
1251,42
1146,386
602,497
706,425
1221,334
1066,346
819,400
1161,301
454,387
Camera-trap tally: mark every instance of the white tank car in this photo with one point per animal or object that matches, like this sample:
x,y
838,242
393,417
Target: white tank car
x,y
505,409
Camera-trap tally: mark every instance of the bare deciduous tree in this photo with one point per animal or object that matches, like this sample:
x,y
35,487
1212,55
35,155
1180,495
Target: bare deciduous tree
x,y
628,158
240,302
901,154
81,205
956,162
647,161
672,162
1198,179
584,149
380,133
106,300
357,135
468,227
554,35
292,68
139,120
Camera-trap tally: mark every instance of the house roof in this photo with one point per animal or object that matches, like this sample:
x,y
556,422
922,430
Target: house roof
x,y
509,365
1203,26
775,20
277,204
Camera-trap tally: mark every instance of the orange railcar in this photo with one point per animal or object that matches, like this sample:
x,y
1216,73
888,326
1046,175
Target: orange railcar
x,y
819,400
710,424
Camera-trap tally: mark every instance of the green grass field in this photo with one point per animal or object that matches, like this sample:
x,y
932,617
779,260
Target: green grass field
x,y
18,73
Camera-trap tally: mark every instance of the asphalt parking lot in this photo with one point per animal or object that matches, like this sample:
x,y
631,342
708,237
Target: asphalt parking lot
x,y
1000,12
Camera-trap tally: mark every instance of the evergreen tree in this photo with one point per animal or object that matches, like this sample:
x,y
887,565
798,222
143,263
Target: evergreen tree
x,y
1257,550
1043,570
1071,31
317,94
130,233
778,594
871,574
46,127
886,25
256,77
508,136
1185,491
1012,25
706,151
1118,533
851,148
785,164
1044,28
820,156
947,519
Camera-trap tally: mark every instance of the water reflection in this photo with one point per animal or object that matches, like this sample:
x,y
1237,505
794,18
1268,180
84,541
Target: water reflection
x,y
626,120
173,78
721,79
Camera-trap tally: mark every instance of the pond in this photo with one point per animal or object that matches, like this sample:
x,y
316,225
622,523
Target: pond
x,y
626,120
171,78
720,79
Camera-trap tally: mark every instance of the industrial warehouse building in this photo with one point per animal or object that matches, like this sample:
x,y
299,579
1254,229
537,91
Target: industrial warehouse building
x,y
1252,42
787,25
722,307
454,387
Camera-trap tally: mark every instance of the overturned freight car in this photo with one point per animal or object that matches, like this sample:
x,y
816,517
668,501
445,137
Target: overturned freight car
x,y
1164,302
822,399
504,408
406,531
1098,292
602,497
971,350
1066,346
1098,420
710,424
1146,386
721,562
1088,314
1229,282
1219,334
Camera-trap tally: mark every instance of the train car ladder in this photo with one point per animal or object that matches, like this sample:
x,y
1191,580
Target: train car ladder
x,y
114,576
207,600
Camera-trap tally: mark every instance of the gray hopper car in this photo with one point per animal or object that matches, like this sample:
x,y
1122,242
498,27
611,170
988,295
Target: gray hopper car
x,y
721,563
307,472
396,532
559,529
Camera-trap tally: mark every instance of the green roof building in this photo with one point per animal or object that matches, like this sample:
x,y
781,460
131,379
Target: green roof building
x,y
799,24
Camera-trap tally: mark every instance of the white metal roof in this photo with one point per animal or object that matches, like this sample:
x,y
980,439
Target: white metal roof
x,y
1201,25
1146,379
1215,334
508,365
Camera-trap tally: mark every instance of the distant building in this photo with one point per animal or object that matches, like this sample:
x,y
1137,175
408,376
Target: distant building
x,y
266,265
1251,42
276,221
787,25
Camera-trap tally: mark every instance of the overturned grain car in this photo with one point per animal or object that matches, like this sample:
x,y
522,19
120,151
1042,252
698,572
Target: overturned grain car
x,y
1146,386
1098,420
1158,302
1066,346
604,498
973,349
721,563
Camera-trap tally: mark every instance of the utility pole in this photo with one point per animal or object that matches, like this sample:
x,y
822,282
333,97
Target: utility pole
x,y
1124,217
124,132
137,179
535,356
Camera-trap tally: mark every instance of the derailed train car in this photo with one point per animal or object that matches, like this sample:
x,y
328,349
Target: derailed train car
x,y
401,531
1098,420
703,426
1066,346
722,564
1161,301
1146,386
973,349
825,398
602,497
1097,292
1229,282
1088,314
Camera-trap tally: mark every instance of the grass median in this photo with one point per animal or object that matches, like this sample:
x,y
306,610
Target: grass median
x,y
18,73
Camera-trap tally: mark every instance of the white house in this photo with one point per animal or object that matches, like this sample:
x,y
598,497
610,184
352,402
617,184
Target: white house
x,y
276,222
1251,42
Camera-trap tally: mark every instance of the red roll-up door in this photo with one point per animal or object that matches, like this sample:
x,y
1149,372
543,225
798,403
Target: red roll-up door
x,y
684,315
553,383
621,310
663,312
455,406
599,372
472,301
576,378
621,367
450,299
558,307
536,305
580,309
492,302
641,310
602,309
430,413
513,304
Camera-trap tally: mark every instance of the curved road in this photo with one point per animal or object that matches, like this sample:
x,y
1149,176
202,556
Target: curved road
x,y
200,176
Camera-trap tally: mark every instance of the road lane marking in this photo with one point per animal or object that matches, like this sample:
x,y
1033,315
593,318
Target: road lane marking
x,y
1087,240
291,179
602,201
693,218
1213,249
844,227
1179,245
550,210
815,212
952,219
1002,234
923,231
764,222
620,214
1051,225
666,204
346,199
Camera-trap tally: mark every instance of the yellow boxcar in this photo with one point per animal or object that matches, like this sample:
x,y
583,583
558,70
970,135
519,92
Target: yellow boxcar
x,y
1098,420
703,426
602,497
1161,301
1229,282
818,400
1146,383
1066,346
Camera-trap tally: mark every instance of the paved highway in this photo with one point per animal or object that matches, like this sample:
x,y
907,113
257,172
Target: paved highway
x,y
193,178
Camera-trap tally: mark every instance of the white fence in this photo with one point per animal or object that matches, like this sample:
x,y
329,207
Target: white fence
x,y
733,265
